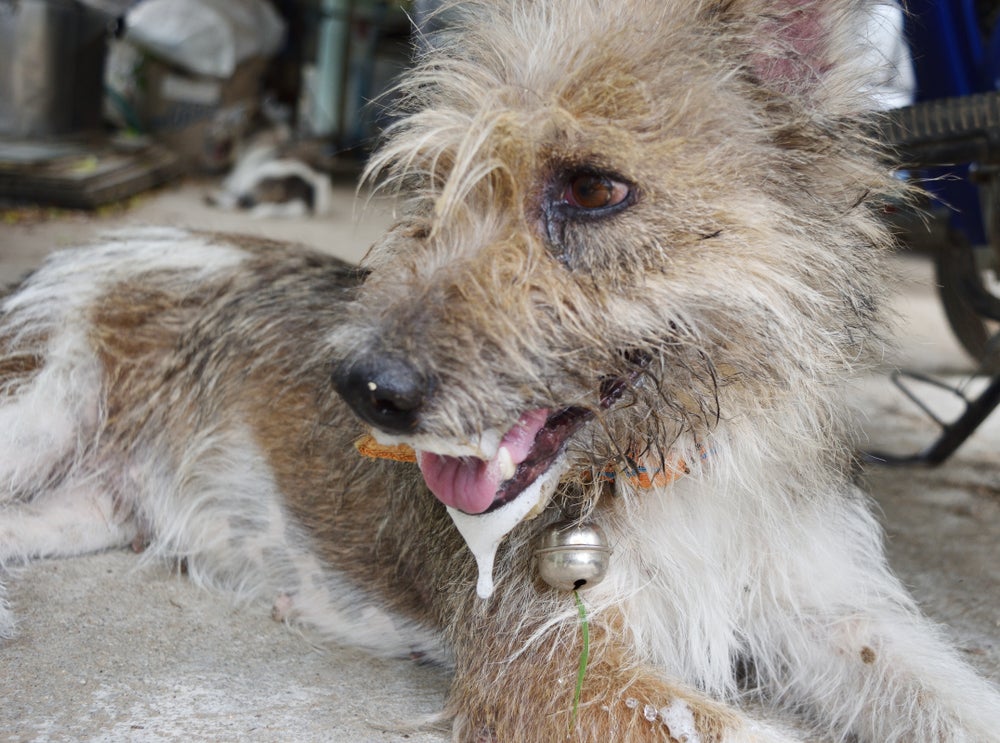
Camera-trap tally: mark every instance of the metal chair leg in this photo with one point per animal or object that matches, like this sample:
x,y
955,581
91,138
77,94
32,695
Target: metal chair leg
x,y
954,433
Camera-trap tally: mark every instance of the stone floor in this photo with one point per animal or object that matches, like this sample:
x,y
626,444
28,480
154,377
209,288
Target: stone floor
x,y
106,652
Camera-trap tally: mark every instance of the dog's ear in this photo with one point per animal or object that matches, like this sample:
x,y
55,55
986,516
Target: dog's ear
x,y
801,48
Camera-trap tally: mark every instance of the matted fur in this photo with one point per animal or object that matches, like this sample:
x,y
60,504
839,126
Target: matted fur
x,y
175,388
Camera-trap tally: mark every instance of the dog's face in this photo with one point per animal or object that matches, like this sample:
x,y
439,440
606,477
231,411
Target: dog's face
x,y
612,245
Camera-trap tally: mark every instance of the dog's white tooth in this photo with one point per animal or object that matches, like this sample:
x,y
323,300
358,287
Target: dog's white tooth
x,y
547,488
506,462
483,447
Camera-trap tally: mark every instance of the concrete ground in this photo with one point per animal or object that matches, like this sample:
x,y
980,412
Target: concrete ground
x,y
107,652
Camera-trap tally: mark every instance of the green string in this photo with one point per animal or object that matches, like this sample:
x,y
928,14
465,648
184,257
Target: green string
x,y
584,656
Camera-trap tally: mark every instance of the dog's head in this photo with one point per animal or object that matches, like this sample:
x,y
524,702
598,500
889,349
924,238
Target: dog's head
x,y
622,225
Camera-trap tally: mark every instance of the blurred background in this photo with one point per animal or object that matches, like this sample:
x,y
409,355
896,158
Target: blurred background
x,y
101,99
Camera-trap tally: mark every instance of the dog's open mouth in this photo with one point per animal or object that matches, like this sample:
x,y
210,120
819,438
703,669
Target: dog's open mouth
x,y
530,449
488,497
489,494
526,452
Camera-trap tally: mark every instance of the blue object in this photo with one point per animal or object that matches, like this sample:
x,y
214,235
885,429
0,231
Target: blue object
x,y
953,57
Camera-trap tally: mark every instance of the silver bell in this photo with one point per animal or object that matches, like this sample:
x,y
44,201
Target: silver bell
x,y
573,555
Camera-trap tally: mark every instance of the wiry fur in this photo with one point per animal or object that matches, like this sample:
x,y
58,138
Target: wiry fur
x,y
175,388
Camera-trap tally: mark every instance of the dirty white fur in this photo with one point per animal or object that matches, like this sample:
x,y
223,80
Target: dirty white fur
x,y
54,416
712,572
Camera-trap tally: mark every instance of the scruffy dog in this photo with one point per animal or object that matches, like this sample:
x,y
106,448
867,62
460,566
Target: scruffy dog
x,y
637,256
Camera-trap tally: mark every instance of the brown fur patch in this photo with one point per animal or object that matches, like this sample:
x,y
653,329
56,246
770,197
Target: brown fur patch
x,y
17,369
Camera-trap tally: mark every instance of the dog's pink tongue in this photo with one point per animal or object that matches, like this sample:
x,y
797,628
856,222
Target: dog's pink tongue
x,y
470,484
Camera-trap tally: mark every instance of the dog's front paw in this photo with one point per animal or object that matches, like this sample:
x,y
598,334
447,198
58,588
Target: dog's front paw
x,y
649,711
688,719
540,695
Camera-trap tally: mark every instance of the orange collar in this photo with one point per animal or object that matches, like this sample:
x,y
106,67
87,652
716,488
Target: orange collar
x,y
638,475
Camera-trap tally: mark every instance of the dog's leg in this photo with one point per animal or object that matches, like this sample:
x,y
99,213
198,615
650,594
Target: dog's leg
x,y
72,519
888,677
50,396
882,673
47,507
502,693
865,661
50,400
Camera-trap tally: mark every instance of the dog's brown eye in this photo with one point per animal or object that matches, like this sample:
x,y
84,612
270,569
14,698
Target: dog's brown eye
x,y
591,191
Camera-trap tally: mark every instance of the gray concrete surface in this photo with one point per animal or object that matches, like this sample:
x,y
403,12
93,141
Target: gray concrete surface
x,y
110,652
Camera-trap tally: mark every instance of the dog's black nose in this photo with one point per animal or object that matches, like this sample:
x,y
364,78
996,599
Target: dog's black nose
x,y
384,391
